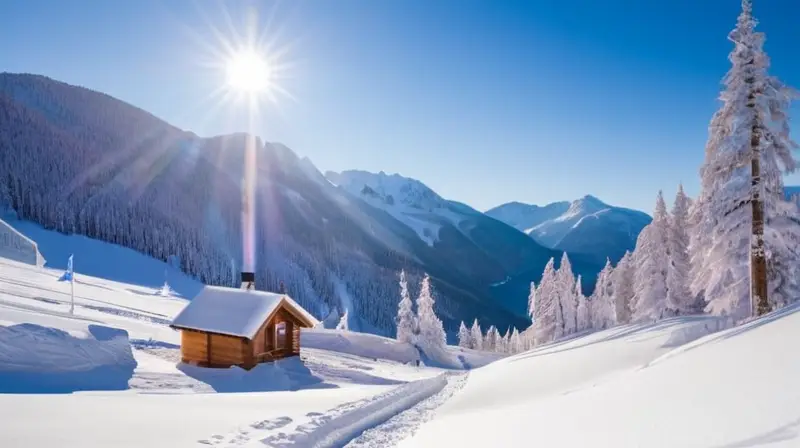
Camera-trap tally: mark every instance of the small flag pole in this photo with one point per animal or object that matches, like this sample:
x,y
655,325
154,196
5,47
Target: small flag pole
x,y
71,286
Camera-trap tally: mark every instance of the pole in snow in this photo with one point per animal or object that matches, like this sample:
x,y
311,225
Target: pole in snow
x,y
71,274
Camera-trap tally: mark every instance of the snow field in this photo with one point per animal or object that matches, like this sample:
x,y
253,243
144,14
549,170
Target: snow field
x,y
735,388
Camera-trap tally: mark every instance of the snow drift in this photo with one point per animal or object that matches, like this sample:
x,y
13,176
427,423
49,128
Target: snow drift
x,y
37,359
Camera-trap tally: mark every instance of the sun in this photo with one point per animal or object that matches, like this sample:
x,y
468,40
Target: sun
x,y
248,72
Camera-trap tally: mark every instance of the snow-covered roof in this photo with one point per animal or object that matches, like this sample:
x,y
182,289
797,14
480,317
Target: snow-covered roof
x,y
235,312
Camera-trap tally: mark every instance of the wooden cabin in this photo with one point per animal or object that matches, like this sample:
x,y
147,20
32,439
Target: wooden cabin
x,y
224,327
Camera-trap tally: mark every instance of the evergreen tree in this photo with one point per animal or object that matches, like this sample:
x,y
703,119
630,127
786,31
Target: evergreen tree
x,y
532,302
476,336
464,336
431,330
566,295
651,258
623,288
516,342
743,225
603,306
506,341
582,314
547,321
679,296
405,313
165,290
343,325
490,342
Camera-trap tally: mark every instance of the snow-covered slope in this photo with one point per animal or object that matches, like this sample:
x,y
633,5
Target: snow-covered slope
x,y
408,200
105,260
636,387
587,226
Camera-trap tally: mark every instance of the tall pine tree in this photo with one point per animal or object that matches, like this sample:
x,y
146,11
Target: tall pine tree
x,y
679,296
744,228
651,258
431,330
464,336
476,336
623,288
565,289
603,307
547,322
405,313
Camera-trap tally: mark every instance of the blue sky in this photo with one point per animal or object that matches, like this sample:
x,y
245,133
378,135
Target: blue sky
x,y
484,101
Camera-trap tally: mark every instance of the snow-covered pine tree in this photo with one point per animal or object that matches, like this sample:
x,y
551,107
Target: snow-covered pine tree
x,y
547,321
165,290
490,342
582,313
506,345
343,325
623,288
566,295
405,313
477,336
464,336
515,344
603,306
431,330
679,296
532,302
651,258
741,175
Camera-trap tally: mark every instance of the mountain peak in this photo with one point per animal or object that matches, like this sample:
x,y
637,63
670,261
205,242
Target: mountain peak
x,y
389,188
593,200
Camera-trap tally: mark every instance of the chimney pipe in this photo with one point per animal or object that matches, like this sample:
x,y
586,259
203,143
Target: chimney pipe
x,y
248,215
248,280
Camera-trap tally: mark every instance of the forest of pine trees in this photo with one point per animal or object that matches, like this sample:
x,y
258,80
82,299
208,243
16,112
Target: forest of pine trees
x,y
697,257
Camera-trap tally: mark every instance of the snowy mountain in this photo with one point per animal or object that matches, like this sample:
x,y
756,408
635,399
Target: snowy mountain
x,y
469,241
81,162
587,226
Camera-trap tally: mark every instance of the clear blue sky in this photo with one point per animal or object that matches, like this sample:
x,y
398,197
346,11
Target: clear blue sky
x,y
485,101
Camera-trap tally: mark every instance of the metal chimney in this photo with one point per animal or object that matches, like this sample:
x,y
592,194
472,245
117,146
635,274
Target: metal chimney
x,y
248,215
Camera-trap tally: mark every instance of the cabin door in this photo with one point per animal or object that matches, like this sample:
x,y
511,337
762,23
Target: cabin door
x,y
281,338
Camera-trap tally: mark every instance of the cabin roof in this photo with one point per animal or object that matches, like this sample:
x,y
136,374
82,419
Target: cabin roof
x,y
235,312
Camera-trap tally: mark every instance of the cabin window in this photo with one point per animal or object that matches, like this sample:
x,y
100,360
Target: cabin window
x,y
280,335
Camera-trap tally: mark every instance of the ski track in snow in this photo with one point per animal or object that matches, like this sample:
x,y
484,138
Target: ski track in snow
x,y
267,431
405,424
388,418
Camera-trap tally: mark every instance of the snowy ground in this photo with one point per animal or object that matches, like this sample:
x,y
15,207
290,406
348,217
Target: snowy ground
x,y
63,374
636,386
109,375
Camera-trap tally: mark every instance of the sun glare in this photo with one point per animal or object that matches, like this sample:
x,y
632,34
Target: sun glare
x,y
248,72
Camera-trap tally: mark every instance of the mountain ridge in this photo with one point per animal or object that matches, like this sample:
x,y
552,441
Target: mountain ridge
x,y
586,225
82,162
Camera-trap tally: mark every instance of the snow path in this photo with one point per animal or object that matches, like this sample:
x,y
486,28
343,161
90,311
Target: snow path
x,y
405,424
338,432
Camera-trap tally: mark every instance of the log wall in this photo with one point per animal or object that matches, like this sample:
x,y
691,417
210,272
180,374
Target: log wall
x,y
226,350
194,347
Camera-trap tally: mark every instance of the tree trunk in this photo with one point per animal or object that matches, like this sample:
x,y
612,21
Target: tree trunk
x,y
759,301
